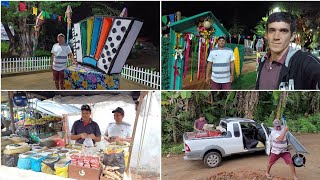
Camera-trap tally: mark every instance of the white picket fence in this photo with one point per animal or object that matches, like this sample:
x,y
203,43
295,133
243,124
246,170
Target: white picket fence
x,y
18,65
142,76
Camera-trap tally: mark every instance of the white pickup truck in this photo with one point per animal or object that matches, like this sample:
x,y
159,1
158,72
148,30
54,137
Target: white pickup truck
x,y
241,136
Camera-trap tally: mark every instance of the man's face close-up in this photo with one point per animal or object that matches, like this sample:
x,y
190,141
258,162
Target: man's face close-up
x,y
60,39
117,116
278,128
85,114
279,36
221,43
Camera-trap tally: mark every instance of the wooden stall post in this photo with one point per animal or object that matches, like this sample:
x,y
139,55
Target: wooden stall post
x,y
10,96
141,97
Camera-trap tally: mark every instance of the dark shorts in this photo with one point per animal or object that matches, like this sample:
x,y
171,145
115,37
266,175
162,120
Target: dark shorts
x,y
220,86
286,156
58,75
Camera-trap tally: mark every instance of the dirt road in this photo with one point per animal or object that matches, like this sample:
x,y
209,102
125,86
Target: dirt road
x,y
250,166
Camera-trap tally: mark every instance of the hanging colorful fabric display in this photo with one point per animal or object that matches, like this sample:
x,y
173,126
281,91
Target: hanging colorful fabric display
x,y
23,6
34,11
195,47
199,57
5,3
59,18
177,55
188,37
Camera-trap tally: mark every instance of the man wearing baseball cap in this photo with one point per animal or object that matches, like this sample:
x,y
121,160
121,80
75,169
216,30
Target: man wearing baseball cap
x,y
279,148
118,130
59,57
220,66
85,127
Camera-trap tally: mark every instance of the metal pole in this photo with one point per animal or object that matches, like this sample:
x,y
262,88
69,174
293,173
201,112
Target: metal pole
x,y
10,96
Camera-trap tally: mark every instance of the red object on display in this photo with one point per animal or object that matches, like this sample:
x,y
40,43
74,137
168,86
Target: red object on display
x,y
59,142
23,6
214,133
202,134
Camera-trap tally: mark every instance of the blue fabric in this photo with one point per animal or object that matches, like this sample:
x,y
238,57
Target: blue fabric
x,y
5,3
95,35
90,61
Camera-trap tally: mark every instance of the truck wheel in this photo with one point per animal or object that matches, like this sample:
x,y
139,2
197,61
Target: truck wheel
x,y
212,159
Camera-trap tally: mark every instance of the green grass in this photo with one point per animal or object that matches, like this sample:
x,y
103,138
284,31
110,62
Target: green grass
x,y
4,47
246,81
172,148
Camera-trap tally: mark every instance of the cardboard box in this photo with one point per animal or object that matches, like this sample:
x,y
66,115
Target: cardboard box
x,y
83,173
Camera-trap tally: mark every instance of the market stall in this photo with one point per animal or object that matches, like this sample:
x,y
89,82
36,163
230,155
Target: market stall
x,y
47,147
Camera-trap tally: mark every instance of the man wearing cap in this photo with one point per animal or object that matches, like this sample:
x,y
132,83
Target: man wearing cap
x,y
85,127
59,58
220,66
118,130
279,148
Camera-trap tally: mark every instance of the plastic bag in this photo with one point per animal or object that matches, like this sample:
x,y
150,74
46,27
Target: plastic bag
x,y
88,142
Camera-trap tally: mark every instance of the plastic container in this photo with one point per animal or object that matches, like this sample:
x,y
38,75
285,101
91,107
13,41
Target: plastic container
x,y
36,162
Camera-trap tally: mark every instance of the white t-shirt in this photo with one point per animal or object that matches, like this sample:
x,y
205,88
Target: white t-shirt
x,y
221,59
278,146
122,130
60,58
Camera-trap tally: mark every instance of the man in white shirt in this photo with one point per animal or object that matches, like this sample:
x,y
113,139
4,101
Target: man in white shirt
x,y
220,66
279,148
59,58
119,130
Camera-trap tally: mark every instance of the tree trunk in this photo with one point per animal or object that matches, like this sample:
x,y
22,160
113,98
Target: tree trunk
x,y
26,38
174,132
282,104
12,39
251,101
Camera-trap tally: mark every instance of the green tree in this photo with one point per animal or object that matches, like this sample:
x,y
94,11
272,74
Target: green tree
x,y
23,22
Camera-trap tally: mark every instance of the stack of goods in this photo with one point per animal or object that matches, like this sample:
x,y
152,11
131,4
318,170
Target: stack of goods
x,y
24,161
111,173
84,167
4,142
48,143
86,161
201,134
36,161
214,133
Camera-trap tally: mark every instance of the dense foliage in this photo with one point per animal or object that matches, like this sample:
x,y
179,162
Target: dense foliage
x,y
181,109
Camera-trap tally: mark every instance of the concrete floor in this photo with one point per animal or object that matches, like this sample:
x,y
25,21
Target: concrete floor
x,y
43,81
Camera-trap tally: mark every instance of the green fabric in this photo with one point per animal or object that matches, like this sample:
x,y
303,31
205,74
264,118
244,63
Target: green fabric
x,y
83,28
165,79
164,19
195,48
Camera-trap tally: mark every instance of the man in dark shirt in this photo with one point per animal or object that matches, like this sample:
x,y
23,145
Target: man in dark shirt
x,y
85,127
199,123
283,67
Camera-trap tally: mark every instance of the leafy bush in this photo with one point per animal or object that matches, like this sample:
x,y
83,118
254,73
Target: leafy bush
x,y
4,47
172,149
42,53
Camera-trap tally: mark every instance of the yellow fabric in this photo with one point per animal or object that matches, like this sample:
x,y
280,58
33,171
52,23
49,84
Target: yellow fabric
x,y
46,169
237,61
63,172
89,34
34,11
